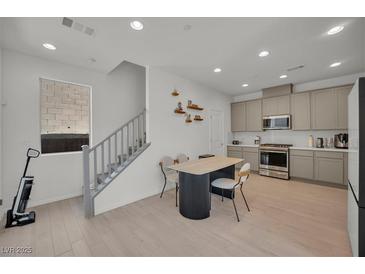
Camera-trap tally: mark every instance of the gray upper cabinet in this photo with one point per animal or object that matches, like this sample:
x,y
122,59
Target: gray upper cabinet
x,y
253,115
276,105
300,108
283,104
269,106
324,109
329,108
238,116
342,95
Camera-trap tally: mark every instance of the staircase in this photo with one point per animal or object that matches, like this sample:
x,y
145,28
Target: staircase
x,y
110,157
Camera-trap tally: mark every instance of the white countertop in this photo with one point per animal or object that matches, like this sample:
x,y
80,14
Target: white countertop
x,y
298,148
242,145
320,149
205,165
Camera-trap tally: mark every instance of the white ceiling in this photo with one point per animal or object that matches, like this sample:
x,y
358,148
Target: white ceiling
x,y
230,43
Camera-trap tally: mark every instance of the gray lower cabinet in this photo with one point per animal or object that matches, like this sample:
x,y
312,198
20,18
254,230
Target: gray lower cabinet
x,y
238,116
253,115
251,155
321,166
235,152
302,166
330,167
329,170
301,111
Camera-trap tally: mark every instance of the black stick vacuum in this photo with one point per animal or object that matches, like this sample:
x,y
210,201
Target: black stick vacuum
x,y
16,216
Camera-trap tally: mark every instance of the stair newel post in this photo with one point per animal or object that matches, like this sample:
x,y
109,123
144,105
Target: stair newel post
x,y
133,136
87,199
137,133
95,167
141,128
109,156
127,141
102,159
116,148
121,144
144,127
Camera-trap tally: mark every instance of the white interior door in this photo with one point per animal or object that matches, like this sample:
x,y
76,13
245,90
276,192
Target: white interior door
x,y
216,132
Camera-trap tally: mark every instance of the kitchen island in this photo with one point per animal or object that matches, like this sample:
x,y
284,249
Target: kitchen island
x,y
195,177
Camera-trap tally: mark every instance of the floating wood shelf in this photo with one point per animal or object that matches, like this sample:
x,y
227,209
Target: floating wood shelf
x,y
195,107
198,119
188,121
175,93
179,111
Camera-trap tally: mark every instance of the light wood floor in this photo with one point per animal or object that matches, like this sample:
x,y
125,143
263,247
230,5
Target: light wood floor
x,y
286,219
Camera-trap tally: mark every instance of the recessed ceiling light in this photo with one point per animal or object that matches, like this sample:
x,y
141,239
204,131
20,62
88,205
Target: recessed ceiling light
x,y
335,30
49,46
245,85
264,53
217,70
283,76
335,64
136,25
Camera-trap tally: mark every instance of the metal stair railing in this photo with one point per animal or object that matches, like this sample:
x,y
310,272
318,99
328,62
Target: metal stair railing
x,y
107,159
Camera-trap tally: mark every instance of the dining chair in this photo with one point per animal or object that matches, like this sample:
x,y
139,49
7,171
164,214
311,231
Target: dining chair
x,y
230,184
169,175
181,158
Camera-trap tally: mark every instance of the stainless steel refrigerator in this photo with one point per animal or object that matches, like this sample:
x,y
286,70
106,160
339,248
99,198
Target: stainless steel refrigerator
x,y
356,168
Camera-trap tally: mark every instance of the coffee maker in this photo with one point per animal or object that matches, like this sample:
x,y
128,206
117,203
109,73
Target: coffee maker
x,y
341,140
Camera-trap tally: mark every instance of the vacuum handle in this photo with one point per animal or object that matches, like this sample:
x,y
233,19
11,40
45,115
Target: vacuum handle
x,y
33,153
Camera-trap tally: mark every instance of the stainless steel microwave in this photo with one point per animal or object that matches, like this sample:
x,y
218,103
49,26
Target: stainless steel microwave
x,y
276,122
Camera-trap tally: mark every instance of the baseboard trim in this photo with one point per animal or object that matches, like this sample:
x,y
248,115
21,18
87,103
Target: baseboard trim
x,y
102,210
54,199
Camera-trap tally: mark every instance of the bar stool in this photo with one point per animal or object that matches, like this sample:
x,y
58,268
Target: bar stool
x,y
181,158
230,184
169,175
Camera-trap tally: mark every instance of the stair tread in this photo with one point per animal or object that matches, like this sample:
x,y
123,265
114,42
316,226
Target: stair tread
x,y
104,179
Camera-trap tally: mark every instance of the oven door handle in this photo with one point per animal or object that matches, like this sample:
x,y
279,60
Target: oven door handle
x,y
274,151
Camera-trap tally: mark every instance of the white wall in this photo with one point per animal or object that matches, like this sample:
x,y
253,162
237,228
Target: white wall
x,y
297,138
169,135
1,127
116,98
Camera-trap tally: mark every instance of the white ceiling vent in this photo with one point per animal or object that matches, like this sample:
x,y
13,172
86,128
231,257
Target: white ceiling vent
x,y
295,68
71,23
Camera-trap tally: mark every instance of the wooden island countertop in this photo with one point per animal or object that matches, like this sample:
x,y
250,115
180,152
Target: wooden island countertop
x,y
205,165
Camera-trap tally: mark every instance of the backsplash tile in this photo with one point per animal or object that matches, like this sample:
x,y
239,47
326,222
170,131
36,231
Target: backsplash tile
x,y
296,138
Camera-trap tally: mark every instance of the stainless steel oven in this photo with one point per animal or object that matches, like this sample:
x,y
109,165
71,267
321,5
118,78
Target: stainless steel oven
x,y
276,122
274,160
